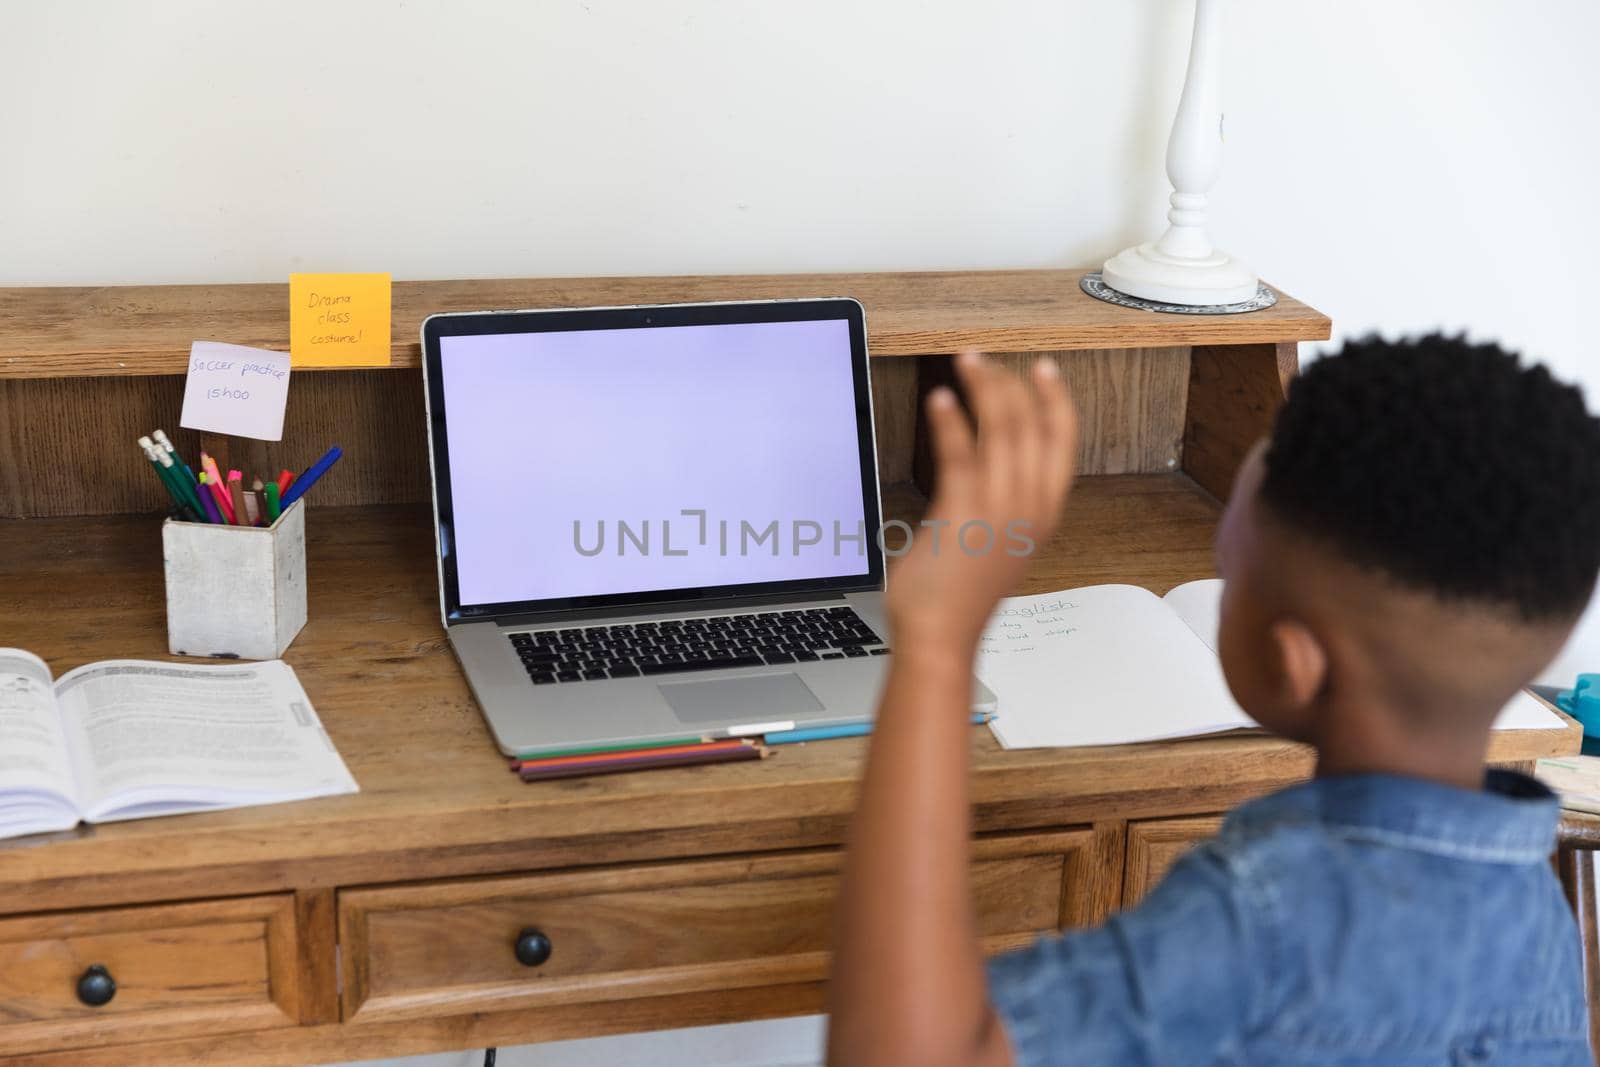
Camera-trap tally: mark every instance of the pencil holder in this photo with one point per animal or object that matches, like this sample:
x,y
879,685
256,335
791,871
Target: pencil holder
x,y
237,592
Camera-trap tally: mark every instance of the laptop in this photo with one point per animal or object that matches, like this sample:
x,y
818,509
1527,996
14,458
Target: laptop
x,y
657,523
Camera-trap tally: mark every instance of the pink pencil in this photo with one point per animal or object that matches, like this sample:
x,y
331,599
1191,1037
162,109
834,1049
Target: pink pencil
x,y
241,517
218,489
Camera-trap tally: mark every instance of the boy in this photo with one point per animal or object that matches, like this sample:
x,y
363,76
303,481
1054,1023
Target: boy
x,y
1412,545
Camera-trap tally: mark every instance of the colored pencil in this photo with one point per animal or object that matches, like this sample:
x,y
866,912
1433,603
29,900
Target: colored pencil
x,y
691,745
645,761
219,495
252,508
285,480
219,487
236,494
209,465
273,510
303,483
828,733
209,502
702,746
620,746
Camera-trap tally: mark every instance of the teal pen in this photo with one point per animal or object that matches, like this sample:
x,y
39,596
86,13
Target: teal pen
x,y
850,729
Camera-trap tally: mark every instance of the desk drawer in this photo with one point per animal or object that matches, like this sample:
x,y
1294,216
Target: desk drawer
x,y
1154,846
446,948
177,969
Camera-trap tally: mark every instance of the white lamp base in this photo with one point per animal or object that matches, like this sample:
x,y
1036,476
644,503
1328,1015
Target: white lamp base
x,y
1150,274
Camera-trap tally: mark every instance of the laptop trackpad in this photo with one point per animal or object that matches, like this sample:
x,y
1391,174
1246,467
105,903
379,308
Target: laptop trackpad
x,y
752,698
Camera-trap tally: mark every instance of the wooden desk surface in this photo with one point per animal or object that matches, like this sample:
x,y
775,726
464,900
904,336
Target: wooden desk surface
x,y
436,796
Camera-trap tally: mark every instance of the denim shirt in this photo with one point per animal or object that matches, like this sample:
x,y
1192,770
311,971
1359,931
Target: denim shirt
x,y
1347,921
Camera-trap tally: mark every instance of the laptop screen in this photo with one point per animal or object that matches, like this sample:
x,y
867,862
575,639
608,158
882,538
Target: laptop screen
x,y
601,465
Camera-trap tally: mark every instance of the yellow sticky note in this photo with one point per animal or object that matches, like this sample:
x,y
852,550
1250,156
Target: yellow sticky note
x,y
339,320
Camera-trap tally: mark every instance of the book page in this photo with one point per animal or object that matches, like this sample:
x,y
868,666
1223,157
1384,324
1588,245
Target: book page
x,y
1526,712
36,785
153,738
33,750
1105,665
1199,605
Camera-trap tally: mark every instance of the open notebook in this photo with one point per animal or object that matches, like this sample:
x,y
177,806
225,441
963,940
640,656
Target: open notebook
x,y
125,739
1112,664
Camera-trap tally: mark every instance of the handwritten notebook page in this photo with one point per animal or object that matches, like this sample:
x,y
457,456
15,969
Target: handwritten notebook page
x,y
1199,604
1105,665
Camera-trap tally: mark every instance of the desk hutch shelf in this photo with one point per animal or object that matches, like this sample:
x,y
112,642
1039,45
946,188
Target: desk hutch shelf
x,y
384,923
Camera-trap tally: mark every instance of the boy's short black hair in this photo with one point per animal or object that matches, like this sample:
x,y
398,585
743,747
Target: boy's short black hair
x,y
1447,465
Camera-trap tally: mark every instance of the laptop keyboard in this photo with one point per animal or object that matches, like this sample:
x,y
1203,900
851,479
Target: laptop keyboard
x,y
629,650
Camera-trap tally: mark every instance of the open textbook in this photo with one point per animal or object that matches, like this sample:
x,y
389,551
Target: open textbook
x,y
1113,664
126,739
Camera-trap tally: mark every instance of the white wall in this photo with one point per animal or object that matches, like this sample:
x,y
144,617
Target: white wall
x,y
1399,165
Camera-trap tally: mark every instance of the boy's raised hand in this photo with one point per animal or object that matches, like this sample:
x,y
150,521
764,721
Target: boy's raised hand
x,y
908,982
1009,479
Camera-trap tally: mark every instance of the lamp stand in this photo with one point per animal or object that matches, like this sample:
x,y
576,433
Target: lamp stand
x,y
1183,267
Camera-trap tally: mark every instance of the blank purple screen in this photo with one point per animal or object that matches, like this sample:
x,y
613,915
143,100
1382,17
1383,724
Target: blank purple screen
x,y
752,423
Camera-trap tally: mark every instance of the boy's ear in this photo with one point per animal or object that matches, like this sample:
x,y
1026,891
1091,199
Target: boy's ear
x,y
1301,663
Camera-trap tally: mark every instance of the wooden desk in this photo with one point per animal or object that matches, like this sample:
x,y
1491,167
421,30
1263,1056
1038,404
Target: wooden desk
x,y
673,898
385,923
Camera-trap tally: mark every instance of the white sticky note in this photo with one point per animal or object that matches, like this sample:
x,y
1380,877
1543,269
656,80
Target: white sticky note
x,y
237,390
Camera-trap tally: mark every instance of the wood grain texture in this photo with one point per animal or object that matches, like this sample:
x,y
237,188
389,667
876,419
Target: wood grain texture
x,y
377,418
1130,405
445,948
1154,846
316,962
435,798
1234,394
68,447
894,416
1130,401
136,330
1092,888
1580,829
1584,887
1577,837
179,969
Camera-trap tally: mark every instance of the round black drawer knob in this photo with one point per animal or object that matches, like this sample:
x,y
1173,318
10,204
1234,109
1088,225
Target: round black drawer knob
x,y
533,948
96,987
